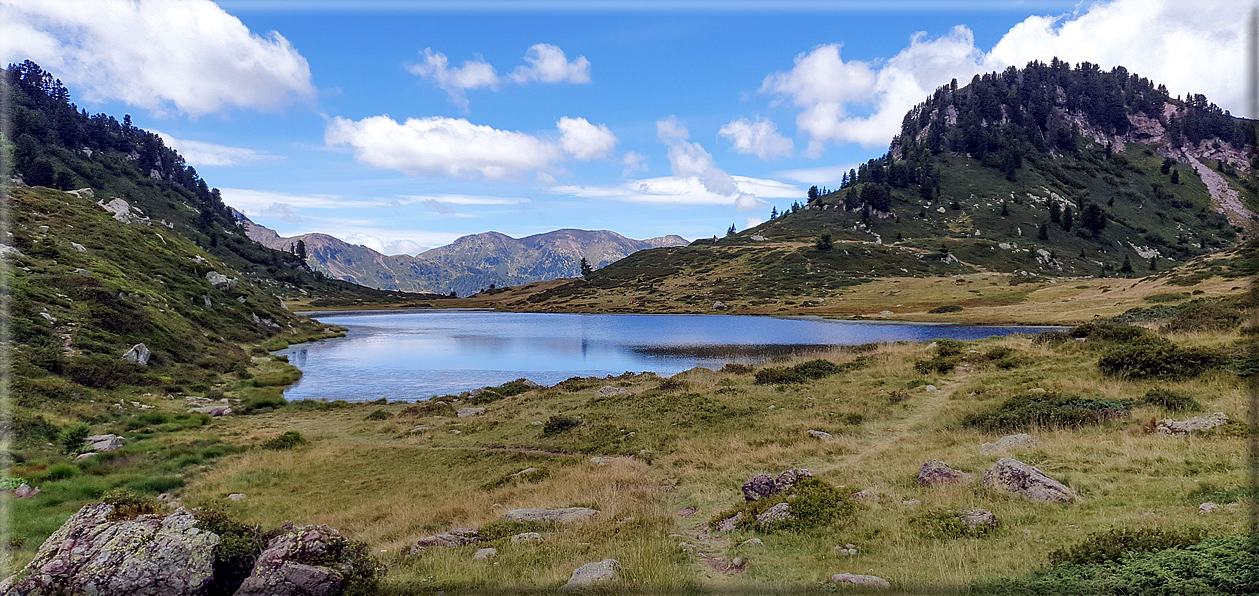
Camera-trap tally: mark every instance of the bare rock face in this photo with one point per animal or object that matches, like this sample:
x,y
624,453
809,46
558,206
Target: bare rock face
x,y
869,581
729,524
1195,424
148,555
1006,443
935,472
307,561
592,575
566,515
610,391
1015,477
138,354
764,485
468,412
455,537
123,211
220,281
100,443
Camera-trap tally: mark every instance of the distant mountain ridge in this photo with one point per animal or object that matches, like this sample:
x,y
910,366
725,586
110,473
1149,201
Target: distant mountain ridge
x,y
467,265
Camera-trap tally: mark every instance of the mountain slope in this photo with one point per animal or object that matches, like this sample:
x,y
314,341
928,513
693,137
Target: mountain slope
x,y
1046,170
467,265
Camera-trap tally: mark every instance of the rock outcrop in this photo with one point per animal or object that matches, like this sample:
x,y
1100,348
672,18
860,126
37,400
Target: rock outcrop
x,y
138,354
1195,424
778,513
100,443
566,515
764,485
455,537
148,555
1015,477
869,581
592,575
935,472
309,560
1006,443
610,391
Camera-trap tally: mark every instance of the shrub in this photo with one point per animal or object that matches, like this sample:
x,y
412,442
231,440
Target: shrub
x,y
316,405
734,368
558,424
800,373
814,503
378,415
1205,315
72,437
61,471
237,551
1158,360
671,384
1112,545
817,369
1023,412
431,408
261,403
945,309
1102,331
102,372
1172,401
502,528
942,523
128,504
778,376
289,440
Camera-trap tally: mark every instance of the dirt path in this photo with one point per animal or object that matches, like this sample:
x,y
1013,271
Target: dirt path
x,y
934,403
1226,199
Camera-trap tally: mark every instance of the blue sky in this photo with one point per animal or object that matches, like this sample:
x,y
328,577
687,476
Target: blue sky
x,y
651,122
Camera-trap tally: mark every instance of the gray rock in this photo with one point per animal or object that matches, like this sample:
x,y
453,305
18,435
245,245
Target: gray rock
x,y
123,211
236,496
485,553
763,485
1208,508
865,495
1006,443
527,538
869,581
973,518
935,472
138,354
911,502
530,384
602,461
1012,476
102,443
241,299
48,317
215,411
149,555
6,250
455,537
1195,424
220,281
929,388
730,523
819,434
566,515
592,575
719,305
83,193
25,491
469,412
610,391
285,567
778,513
78,247
82,271
205,299
752,542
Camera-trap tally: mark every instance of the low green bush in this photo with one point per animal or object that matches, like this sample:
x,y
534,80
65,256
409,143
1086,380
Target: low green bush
x,y
237,551
156,484
1172,401
378,415
60,471
71,438
557,424
261,403
1048,410
947,308
431,408
316,405
940,523
778,376
1158,361
735,368
1113,545
102,372
128,504
1206,315
814,504
800,373
289,440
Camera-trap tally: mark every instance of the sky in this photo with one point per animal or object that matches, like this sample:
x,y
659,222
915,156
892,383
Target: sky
x,y
404,124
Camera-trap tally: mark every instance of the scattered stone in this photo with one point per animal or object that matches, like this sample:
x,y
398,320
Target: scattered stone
x,y
25,491
485,553
566,515
1208,508
454,537
83,193
236,496
1195,424
215,411
138,354
78,247
537,423
974,518
865,495
870,581
526,538
419,429
886,312
752,542
1036,390
205,299
687,512
591,575
220,281
823,435
149,555
1015,477
778,513
847,550
602,461
610,391
730,523
241,299
83,456
525,471
469,412
280,570
48,317
100,443
935,472
911,503
82,271
1006,443
719,305
930,388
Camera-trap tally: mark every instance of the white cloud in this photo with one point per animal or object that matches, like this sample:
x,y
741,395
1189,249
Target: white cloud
x,y
474,74
674,190
464,199
634,162
201,153
758,137
548,64
584,140
186,56
395,242
822,175
752,222
688,159
437,146
1188,46
259,202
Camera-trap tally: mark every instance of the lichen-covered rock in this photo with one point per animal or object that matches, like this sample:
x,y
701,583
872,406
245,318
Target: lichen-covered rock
x,y
102,443
764,485
866,496
1006,443
138,354
778,513
870,581
455,537
730,523
977,518
526,538
468,412
610,391
220,281
148,555
935,472
566,515
1195,424
591,575
308,561
821,435
1015,477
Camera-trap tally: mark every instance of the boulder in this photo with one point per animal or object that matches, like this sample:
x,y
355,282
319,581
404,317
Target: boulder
x,y
974,518
147,555
306,561
719,305
591,575
25,491
102,443
123,211
869,581
138,354
1195,424
602,461
236,496
610,391
865,495
1015,477
1006,443
1208,508
212,410
78,247
526,538
730,523
566,515
468,412
220,281
778,513
485,553
764,485
455,537
935,472
821,434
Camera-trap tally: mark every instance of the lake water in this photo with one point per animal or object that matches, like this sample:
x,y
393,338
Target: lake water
x,y
411,355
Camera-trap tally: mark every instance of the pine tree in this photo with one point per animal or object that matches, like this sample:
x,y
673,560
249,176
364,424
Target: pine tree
x,y
812,193
1175,176
1055,212
1043,233
773,213
1005,209
586,269
824,241
1126,269
730,232
1154,263
1067,216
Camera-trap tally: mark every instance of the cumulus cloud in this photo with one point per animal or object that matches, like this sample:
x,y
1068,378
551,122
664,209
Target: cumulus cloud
x,y
752,222
464,199
690,190
1188,46
257,202
166,56
689,159
455,147
634,162
759,138
822,175
546,64
584,140
473,74
201,153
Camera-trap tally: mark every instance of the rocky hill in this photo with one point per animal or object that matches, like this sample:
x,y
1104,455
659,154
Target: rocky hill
x,y
466,266
1047,170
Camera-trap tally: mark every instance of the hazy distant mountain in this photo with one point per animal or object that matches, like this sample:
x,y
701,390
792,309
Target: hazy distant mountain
x,y
467,265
